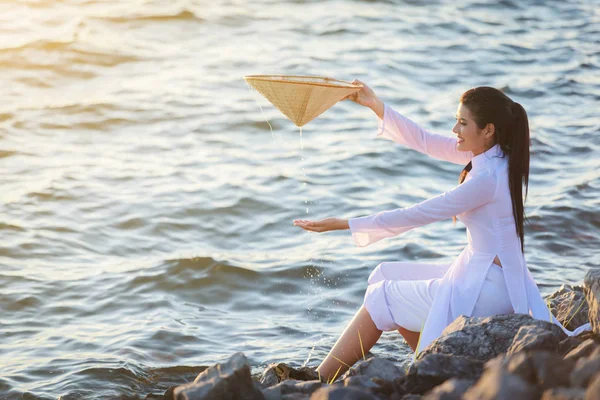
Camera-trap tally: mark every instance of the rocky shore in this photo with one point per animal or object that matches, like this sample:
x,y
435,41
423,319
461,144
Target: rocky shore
x,y
500,357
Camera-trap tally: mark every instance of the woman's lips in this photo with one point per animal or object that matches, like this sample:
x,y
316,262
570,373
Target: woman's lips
x,y
459,140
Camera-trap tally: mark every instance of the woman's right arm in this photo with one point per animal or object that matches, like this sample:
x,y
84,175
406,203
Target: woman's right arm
x,y
394,126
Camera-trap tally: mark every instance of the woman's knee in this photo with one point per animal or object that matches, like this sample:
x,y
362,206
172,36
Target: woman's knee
x,y
376,275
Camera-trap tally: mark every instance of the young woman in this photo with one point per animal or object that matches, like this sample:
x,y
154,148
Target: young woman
x,y
490,275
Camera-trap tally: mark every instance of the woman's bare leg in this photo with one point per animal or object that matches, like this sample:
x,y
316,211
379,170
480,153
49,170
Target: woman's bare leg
x,y
411,337
348,349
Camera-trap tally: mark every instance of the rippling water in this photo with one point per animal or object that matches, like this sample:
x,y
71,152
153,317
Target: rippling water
x,y
146,206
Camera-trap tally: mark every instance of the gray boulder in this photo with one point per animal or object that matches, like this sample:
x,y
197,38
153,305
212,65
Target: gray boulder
x,y
361,382
452,389
583,350
291,387
593,390
541,368
434,369
563,393
341,393
279,372
375,368
482,338
591,287
567,345
230,380
536,337
585,369
498,384
569,305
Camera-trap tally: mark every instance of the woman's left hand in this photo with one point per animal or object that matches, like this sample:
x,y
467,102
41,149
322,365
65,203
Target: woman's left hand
x,y
324,225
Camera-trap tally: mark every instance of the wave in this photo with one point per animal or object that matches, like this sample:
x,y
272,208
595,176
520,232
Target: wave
x,y
182,15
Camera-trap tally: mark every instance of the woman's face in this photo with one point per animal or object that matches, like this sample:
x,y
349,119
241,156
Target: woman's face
x,y
469,136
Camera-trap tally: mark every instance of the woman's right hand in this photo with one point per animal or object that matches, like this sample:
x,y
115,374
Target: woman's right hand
x,y
365,96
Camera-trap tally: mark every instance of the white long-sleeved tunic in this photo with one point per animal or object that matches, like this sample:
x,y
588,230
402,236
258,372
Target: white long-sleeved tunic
x,y
483,203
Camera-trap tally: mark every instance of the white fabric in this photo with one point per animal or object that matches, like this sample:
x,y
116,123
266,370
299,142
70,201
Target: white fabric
x,y
483,203
393,301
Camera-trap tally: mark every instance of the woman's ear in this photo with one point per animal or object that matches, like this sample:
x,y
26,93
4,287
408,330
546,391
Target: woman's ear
x,y
489,130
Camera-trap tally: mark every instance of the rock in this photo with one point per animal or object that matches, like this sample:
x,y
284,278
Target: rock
x,y
540,368
452,389
593,390
341,393
279,372
481,338
230,380
563,393
551,370
535,337
269,377
569,305
411,396
498,384
435,369
291,387
295,396
591,287
585,369
361,382
375,368
583,350
567,345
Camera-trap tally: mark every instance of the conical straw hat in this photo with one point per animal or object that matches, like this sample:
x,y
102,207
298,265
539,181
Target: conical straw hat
x,y
301,98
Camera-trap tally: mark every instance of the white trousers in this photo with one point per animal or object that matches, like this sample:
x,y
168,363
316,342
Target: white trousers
x,y
394,303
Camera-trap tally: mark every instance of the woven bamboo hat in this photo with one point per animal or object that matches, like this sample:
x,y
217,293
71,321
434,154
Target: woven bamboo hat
x,y
301,98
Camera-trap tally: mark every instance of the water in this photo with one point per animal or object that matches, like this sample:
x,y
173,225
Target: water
x,y
147,205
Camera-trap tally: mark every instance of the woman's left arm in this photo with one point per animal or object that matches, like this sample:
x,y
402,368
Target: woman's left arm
x,y
324,225
472,193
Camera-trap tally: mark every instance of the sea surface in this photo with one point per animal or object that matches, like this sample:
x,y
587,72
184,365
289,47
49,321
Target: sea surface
x,y
147,193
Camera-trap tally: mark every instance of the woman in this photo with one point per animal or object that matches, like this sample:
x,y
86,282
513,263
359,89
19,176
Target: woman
x,y
490,275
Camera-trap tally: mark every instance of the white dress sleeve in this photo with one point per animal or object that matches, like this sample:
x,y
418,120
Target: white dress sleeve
x,y
402,130
474,192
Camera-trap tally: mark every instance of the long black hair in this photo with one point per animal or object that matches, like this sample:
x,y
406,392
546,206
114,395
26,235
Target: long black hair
x,y
490,106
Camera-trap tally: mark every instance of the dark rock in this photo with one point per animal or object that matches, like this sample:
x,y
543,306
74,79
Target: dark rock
x,y
361,382
280,372
341,393
532,337
593,390
583,350
434,369
375,368
291,387
550,369
411,396
591,287
295,396
230,380
567,345
482,338
585,369
569,305
270,377
563,393
452,389
498,384
541,368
